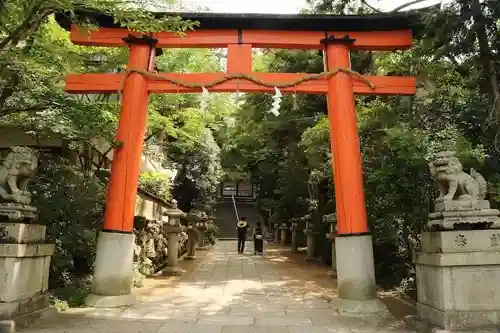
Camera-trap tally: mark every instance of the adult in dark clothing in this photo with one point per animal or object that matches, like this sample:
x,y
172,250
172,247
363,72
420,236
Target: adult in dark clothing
x,y
258,239
242,227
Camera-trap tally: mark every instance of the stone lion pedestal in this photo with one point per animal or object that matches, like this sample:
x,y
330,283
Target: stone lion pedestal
x,y
24,255
458,265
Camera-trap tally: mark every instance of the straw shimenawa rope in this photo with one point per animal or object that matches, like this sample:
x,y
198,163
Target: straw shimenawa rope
x,y
248,77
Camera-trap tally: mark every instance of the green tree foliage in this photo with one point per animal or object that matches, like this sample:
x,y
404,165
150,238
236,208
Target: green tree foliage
x,y
36,55
156,184
191,138
71,205
289,156
35,58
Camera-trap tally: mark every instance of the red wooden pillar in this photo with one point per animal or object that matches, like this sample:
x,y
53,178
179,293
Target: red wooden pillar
x,y
125,168
346,156
353,243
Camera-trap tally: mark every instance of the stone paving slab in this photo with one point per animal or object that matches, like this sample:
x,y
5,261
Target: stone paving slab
x,y
230,293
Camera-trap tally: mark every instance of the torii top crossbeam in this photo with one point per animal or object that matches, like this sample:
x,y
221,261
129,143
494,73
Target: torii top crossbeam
x,y
336,36
239,33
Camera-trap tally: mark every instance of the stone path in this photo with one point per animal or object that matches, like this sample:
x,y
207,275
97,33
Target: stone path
x,y
230,293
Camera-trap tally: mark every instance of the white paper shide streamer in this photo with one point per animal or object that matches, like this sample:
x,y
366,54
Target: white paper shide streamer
x,y
204,100
276,102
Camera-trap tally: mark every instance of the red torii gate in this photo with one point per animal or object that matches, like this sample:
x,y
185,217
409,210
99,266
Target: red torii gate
x,y
335,35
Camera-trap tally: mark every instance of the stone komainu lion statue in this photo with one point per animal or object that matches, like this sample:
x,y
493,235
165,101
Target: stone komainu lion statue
x,y
453,182
15,172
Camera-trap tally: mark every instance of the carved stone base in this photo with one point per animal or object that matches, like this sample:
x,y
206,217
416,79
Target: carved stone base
x,y
457,279
17,212
426,327
24,267
460,241
464,215
460,205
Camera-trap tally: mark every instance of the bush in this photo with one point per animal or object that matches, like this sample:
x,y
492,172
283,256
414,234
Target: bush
x,y
71,205
156,184
210,235
72,295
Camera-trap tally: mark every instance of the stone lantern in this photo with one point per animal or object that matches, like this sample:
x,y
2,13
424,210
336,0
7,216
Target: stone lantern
x,y
284,232
294,228
193,233
202,226
310,233
277,234
332,220
173,228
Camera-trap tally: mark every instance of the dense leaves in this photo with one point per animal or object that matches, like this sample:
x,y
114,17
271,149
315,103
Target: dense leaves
x,y
456,58
71,205
156,184
289,156
35,56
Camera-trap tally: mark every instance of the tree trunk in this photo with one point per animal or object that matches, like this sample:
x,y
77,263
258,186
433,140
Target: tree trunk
x,y
485,53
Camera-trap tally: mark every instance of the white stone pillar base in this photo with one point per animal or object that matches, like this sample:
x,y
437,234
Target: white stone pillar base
x,y
357,307
356,276
355,267
112,282
172,271
99,301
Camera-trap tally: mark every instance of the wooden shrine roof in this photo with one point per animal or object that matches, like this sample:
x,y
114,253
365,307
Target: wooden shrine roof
x,y
299,22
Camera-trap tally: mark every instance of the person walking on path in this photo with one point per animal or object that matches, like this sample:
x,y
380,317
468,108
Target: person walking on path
x,y
258,239
242,227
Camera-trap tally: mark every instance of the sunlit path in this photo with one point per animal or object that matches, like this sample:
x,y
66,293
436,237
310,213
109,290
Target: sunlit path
x,y
228,292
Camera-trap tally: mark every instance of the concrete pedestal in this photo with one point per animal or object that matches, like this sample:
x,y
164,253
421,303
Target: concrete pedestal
x,y
355,267
277,234
333,271
311,244
201,240
284,232
458,274
331,219
356,276
112,282
191,245
295,245
24,271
